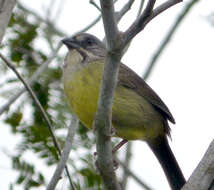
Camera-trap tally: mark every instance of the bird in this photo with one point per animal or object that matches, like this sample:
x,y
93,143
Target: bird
x,y
138,113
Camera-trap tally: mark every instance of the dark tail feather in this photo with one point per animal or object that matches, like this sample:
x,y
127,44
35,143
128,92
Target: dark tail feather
x,y
164,154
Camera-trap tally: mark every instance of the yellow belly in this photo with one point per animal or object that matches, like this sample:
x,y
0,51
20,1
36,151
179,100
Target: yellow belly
x,y
132,116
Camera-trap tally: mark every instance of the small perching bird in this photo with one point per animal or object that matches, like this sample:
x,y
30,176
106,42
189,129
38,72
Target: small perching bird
x,y
137,113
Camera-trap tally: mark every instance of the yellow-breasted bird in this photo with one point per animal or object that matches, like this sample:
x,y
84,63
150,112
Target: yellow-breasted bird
x,y
137,113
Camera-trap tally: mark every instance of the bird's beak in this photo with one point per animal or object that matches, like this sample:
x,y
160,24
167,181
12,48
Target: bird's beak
x,y
71,43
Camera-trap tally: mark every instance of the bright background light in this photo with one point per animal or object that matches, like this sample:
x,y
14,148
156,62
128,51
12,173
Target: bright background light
x,y
183,78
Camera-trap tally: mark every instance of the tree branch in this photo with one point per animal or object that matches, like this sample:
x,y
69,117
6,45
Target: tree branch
x,y
102,122
202,177
6,8
124,10
140,8
168,37
65,154
109,22
147,15
95,4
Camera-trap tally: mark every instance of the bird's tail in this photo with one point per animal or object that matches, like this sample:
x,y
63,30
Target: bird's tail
x,y
165,156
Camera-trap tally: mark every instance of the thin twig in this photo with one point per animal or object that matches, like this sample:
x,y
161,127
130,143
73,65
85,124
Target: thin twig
x,y
65,154
131,174
148,10
109,22
168,37
140,8
147,15
124,10
37,103
119,15
95,4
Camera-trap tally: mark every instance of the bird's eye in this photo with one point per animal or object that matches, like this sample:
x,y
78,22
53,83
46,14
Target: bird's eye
x,y
89,42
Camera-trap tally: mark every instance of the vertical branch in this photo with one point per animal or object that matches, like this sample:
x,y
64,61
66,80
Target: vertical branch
x,y
109,22
102,122
6,8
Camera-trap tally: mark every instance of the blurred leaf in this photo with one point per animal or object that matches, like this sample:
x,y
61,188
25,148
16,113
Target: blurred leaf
x,y
14,120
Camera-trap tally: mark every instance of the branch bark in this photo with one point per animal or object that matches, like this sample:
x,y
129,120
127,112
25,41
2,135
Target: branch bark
x,y
102,122
65,154
202,178
6,8
147,15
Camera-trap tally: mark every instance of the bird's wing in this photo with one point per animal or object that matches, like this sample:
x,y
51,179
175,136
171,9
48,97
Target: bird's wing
x,y
129,79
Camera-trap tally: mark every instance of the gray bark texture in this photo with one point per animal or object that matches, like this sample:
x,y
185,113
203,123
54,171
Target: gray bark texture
x,y
203,176
6,7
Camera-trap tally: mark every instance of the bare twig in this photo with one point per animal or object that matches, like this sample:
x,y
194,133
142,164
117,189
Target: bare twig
x,y
124,10
148,10
95,4
39,106
168,37
119,15
109,22
202,177
65,154
130,173
6,8
145,18
140,8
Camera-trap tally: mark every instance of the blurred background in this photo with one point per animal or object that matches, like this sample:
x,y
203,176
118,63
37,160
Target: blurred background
x,y
178,47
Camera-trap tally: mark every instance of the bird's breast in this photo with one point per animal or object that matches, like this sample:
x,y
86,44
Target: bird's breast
x,y
82,89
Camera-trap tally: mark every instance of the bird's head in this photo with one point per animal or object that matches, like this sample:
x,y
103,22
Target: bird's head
x,y
87,45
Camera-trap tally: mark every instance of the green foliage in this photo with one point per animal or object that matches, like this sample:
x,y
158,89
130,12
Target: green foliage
x,y
14,120
28,176
25,30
